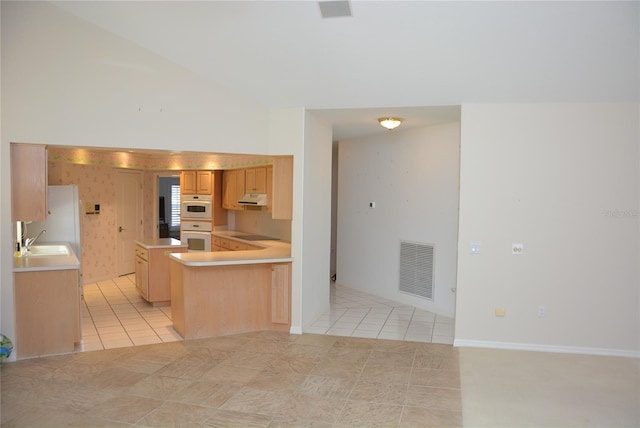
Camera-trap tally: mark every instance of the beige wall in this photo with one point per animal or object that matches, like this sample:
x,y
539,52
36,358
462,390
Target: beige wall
x,y
563,179
96,184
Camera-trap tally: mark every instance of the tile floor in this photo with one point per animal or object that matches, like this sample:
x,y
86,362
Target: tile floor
x,y
358,314
114,316
271,379
266,379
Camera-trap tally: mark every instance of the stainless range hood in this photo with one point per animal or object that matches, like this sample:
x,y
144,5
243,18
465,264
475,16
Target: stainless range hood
x,y
254,199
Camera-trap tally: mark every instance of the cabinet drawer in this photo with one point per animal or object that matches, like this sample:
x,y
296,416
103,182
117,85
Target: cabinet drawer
x,y
238,246
216,240
225,243
142,253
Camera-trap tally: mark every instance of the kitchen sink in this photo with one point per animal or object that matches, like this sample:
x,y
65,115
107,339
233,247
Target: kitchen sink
x,y
48,250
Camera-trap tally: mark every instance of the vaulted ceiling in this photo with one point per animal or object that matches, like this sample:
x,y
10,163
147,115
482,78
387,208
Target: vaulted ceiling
x,y
391,56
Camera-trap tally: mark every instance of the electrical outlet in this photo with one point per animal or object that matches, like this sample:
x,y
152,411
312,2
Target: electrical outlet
x,y
475,248
541,311
517,249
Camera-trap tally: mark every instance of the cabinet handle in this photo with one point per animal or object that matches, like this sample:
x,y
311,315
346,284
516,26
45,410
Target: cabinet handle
x,y
120,228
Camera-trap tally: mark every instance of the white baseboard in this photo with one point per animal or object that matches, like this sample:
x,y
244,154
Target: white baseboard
x,y
295,330
546,348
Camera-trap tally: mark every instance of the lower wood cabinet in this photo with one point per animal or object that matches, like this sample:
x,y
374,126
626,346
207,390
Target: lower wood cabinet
x,y
47,305
209,301
280,293
152,273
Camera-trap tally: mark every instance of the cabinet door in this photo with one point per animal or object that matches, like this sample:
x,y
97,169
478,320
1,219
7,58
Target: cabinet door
x,y
188,183
228,189
47,305
256,180
28,182
269,185
240,177
280,285
203,182
282,188
142,277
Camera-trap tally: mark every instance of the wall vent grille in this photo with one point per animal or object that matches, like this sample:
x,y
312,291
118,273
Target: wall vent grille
x,y
416,269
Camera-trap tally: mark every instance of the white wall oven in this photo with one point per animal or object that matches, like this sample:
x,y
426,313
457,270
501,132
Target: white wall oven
x,y
196,234
197,207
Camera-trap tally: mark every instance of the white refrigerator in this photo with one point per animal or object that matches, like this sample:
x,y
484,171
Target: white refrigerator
x,y
64,222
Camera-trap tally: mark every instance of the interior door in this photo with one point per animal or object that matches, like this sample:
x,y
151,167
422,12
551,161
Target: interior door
x,y
128,218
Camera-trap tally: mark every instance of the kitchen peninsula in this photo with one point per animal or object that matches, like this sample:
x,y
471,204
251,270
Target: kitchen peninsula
x,y
229,292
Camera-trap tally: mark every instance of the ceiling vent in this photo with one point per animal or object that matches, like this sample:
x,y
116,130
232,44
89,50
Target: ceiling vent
x,y
335,9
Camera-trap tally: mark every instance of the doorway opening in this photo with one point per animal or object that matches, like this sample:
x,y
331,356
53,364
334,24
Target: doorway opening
x,y
168,219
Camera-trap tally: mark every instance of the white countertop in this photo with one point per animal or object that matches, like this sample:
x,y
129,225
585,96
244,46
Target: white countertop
x,y
273,252
161,243
54,262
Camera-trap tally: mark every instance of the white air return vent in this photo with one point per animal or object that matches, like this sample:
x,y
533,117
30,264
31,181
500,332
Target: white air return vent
x,y
334,9
416,269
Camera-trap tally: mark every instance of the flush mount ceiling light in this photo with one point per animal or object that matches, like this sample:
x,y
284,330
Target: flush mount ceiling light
x,y
390,122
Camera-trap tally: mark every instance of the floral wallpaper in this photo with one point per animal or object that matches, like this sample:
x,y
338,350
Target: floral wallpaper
x,y
96,185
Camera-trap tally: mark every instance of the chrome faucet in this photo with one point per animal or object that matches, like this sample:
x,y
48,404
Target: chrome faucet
x,y
30,241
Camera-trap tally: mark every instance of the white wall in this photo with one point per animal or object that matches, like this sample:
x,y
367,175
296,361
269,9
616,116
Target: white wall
x,y
286,136
316,231
563,180
412,176
70,83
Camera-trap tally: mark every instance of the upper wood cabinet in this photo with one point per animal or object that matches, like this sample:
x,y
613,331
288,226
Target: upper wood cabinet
x,y
255,180
196,183
232,189
28,182
270,188
282,204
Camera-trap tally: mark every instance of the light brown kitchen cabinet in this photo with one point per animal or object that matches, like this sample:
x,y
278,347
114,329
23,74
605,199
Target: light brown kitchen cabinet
x,y
47,305
152,273
225,244
196,182
221,300
233,189
255,180
28,182
280,293
269,181
282,192
201,182
142,271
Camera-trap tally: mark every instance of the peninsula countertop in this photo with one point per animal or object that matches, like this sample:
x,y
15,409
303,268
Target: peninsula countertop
x,y
272,251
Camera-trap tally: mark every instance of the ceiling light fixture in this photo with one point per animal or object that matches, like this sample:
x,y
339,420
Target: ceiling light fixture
x,y
390,122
